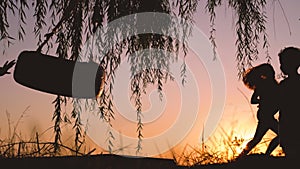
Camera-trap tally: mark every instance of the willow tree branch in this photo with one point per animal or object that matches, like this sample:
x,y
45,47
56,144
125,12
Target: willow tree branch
x,y
54,30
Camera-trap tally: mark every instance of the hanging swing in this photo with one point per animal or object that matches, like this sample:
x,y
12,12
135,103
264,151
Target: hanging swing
x,y
58,76
63,77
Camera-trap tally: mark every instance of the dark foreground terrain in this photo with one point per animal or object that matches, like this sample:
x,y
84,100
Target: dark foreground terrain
x,y
120,162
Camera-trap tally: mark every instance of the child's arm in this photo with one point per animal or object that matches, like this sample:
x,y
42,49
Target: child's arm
x,y
255,98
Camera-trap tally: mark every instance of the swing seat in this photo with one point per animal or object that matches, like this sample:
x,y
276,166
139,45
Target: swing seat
x,y
59,76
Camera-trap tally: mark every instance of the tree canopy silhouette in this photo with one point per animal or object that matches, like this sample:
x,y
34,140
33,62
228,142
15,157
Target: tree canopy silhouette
x,y
67,22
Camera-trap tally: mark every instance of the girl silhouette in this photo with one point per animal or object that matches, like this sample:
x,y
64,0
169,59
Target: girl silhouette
x,y
261,79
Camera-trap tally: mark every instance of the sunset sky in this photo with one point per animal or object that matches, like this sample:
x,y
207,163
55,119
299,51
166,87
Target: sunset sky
x,y
238,115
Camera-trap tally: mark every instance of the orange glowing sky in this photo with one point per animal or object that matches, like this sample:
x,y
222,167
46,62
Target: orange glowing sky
x,y
238,116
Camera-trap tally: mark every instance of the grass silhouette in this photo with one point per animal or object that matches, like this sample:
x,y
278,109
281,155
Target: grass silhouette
x,y
16,146
218,152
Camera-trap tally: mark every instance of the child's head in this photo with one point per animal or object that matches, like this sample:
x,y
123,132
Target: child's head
x,y
255,75
289,59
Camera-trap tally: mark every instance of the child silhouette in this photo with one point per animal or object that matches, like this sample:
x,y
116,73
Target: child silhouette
x,y
289,113
262,80
7,65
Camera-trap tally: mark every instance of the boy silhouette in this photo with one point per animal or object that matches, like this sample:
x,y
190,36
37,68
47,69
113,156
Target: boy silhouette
x,y
289,113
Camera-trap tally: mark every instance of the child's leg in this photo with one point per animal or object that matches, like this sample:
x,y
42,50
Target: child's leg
x,y
273,144
275,141
261,130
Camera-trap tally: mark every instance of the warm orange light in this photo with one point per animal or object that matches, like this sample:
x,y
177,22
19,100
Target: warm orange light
x,y
100,81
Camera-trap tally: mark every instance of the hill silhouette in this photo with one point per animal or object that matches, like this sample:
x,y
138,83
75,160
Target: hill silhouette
x,y
252,161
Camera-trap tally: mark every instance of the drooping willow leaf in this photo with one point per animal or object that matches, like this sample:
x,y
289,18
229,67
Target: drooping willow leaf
x,y
73,21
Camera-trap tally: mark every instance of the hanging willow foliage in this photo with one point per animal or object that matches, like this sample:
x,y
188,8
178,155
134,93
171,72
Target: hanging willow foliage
x,y
72,20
